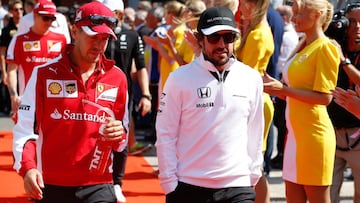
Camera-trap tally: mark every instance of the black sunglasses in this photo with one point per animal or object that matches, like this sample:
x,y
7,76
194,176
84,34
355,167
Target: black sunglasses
x,y
227,37
98,20
48,18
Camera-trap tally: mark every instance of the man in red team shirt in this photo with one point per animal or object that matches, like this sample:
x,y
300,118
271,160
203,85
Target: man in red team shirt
x,y
72,108
32,48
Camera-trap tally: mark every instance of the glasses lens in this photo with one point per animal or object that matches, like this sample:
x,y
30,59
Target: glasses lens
x,y
99,20
227,37
213,38
48,18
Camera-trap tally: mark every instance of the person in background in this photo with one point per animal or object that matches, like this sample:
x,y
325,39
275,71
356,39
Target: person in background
x,y
348,99
347,125
128,48
32,48
193,10
289,42
231,4
180,52
144,5
80,93
208,3
29,6
308,80
256,48
3,13
140,23
277,28
201,157
129,18
155,21
16,10
290,36
59,25
169,42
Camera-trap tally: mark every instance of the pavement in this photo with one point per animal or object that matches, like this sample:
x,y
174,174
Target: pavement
x,y
276,184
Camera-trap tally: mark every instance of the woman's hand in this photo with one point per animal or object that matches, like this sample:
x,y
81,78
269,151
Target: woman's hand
x,y
271,85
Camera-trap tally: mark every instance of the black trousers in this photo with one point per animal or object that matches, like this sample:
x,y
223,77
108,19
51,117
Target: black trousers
x,y
103,193
194,194
119,163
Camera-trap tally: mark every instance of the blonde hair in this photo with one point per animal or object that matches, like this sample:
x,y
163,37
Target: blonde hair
x,y
177,9
259,13
195,6
326,9
230,4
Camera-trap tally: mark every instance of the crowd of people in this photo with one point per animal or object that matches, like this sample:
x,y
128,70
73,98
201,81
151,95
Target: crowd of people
x,y
212,81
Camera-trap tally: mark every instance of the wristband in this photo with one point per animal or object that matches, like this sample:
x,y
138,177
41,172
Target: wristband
x,y
147,96
346,61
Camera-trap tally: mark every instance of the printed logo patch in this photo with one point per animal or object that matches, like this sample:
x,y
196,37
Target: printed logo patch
x,y
29,46
54,46
106,92
56,115
62,88
24,107
204,92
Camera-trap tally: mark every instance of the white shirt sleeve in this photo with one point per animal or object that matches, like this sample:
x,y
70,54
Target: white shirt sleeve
x,y
256,133
24,128
167,125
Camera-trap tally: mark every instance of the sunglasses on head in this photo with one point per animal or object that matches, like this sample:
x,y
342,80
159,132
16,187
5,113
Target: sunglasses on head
x,y
98,20
48,18
352,6
227,37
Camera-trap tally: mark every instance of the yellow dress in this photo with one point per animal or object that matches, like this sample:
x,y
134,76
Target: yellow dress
x,y
256,53
165,67
310,144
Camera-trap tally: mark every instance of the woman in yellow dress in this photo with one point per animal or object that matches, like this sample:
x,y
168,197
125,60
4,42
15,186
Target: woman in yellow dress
x,y
256,48
310,76
175,35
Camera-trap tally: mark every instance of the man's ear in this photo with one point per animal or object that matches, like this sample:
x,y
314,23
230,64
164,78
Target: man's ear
x,y
73,31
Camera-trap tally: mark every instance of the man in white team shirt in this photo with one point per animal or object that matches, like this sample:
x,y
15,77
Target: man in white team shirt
x,y
210,122
60,25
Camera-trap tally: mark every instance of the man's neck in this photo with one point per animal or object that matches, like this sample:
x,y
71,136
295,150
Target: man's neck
x,y
83,65
38,31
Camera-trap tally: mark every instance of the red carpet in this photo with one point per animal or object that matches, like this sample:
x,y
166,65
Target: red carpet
x,y
139,183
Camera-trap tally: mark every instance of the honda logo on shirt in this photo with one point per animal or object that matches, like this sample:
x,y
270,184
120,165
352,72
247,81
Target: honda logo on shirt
x,y
204,92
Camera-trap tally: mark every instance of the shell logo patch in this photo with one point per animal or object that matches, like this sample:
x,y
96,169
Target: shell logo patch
x,y
29,46
62,88
54,88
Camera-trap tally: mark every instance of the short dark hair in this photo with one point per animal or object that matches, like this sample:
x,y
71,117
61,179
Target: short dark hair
x,y
352,6
12,3
30,2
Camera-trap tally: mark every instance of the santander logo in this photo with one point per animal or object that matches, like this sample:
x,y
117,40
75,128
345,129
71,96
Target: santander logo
x,y
78,116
